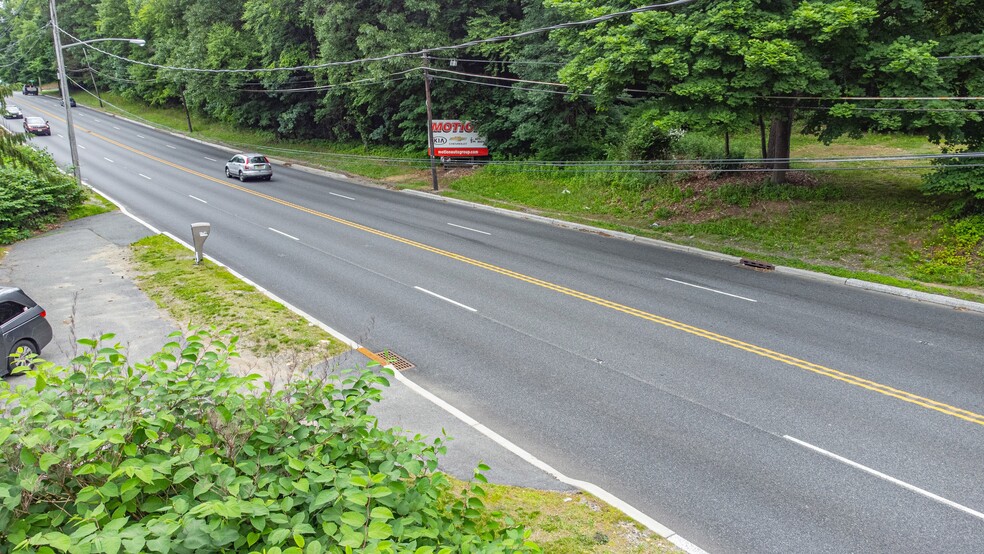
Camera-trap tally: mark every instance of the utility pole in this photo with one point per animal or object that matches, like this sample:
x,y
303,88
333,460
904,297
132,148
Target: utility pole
x,y
184,100
63,86
430,121
92,76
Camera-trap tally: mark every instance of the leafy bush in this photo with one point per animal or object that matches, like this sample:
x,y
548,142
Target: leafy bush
x,y
647,137
959,179
746,195
180,455
31,200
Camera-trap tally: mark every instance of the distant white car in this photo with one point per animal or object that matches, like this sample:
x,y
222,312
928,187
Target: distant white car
x,y
13,112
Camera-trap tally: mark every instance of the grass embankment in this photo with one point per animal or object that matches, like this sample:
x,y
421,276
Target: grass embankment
x,y
874,225
93,204
206,294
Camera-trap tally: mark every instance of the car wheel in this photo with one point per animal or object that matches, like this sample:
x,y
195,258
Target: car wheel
x,y
227,173
268,177
21,361
242,177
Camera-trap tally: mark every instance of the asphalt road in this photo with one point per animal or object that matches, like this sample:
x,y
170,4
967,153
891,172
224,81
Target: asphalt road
x,y
747,411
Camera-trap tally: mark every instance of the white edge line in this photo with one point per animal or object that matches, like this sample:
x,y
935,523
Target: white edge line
x,y
124,211
888,478
710,290
469,229
210,159
199,199
341,195
283,233
435,295
144,176
590,488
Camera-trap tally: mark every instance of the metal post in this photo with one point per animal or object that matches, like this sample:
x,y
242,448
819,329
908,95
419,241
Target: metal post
x,y
63,85
430,122
92,76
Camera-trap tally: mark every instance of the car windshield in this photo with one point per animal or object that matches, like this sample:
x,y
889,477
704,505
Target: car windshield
x,y
35,121
258,160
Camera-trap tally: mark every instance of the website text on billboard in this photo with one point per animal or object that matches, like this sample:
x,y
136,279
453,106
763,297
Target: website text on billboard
x,y
456,138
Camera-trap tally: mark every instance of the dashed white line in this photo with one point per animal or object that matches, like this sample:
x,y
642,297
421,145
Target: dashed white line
x,y
469,229
199,199
60,135
710,290
108,160
171,147
210,159
144,176
141,136
446,299
82,147
283,233
888,478
97,120
341,196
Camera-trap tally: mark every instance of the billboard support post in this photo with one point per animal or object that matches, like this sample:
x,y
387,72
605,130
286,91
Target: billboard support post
x,y
430,122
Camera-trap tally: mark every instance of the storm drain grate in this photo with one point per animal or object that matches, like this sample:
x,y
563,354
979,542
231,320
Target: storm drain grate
x,y
762,266
398,362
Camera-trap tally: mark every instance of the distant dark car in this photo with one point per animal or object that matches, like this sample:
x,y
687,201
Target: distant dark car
x,y
30,90
36,126
23,328
71,102
249,166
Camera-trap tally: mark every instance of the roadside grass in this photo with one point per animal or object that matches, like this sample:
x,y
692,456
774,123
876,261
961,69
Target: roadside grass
x,y
874,225
94,204
571,522
208,295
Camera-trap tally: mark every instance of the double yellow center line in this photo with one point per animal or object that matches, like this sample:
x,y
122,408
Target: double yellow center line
x,y
886,390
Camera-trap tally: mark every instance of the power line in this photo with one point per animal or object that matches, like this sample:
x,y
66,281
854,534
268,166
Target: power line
x,y
512,62
420,52
513,87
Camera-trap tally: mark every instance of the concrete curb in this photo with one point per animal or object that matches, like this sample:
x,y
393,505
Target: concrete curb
x,y
920,296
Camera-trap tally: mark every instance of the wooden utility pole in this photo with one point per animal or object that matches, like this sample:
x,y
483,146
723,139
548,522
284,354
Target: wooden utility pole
x,y
430,122
187,112
92,76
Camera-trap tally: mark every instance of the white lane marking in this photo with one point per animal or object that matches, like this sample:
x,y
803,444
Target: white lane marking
x,y
199,199
469,229
711,290
82,147
341,196
141,136
888,478
117,128
210,159
108,160
446,299
283,233
171,147
144,176
60,135
97,120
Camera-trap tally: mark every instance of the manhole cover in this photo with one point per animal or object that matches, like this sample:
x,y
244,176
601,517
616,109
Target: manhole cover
x,y
398,362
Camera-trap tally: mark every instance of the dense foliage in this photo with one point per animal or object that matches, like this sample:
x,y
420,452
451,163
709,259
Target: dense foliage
x,y
33,193
180,455
722,66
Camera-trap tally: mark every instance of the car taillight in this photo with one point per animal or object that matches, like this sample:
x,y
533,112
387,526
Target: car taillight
x,y
44,313
266,159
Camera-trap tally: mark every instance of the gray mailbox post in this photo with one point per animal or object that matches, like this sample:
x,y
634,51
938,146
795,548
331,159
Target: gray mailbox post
x,y
199,232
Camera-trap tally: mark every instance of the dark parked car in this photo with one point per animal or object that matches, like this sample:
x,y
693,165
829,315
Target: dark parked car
x,y
71,102
36,126
22,328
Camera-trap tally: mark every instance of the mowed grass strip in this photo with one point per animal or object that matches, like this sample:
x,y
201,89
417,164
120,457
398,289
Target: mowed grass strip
x,y
572,522
94,204
208,295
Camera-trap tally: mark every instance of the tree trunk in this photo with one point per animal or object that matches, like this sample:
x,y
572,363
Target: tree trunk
x,y
780,133
765,149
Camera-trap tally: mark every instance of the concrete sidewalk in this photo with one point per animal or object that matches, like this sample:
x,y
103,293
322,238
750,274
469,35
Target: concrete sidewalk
x,y
81,275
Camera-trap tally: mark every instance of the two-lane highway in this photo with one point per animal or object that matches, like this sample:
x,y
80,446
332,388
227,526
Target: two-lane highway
x,y
747,411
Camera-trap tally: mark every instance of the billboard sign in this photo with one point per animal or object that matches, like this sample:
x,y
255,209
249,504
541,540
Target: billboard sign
x,y
456,138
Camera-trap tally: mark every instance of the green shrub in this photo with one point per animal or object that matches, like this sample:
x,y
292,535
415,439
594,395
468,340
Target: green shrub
x,y
29,200
180,455
955,254
960,180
